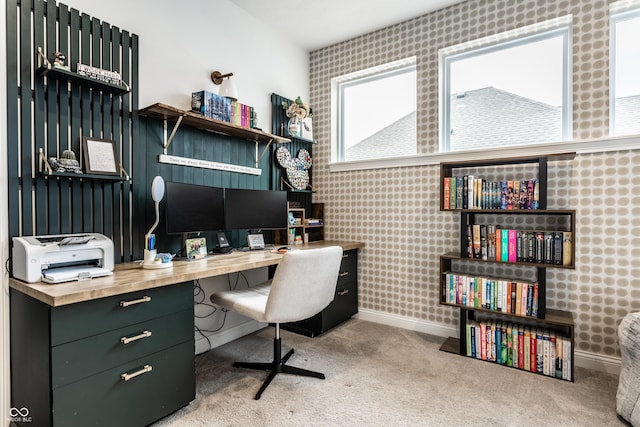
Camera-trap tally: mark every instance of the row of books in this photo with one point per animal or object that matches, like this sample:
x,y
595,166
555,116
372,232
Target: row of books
x,y
469,192
218,107
506,296
523,347
507,245
242,115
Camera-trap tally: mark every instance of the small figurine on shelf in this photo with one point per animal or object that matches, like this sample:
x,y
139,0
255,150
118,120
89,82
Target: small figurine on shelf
x,y
58,60
67,163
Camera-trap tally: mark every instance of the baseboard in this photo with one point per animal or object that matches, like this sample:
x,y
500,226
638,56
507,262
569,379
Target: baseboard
x,y
224,336
407,323
597,362
583,359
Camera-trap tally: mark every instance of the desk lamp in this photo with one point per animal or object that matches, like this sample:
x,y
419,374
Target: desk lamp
x,y
150,260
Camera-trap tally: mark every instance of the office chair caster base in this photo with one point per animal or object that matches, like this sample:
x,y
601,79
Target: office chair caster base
x,y
278,366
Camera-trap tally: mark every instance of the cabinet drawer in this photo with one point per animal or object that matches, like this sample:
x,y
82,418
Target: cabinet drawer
x,y
82,358
76,321
349,261
106,399
345,303
348,273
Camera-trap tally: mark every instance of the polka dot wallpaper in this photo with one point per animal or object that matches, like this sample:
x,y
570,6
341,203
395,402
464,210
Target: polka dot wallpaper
x,y
395,211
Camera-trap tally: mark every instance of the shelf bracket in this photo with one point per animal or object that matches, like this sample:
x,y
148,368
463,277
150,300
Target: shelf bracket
x,y
167,142
42,59
259,158
43,164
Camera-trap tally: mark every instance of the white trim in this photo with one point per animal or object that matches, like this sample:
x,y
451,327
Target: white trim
x,y
603,145
623,6
597,362
409,323
583,359
5,375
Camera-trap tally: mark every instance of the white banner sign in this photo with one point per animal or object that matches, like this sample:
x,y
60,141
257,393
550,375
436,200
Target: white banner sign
x,y
205,164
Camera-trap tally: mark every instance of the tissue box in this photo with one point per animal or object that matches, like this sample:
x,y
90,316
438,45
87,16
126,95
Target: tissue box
x,y
211,105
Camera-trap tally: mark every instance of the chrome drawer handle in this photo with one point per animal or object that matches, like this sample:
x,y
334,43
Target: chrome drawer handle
x,y
345,256
344,274
127,340
135,301
127,377
343,292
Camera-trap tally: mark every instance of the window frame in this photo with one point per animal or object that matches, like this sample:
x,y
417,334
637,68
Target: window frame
x,y
615,18
531,34
339,84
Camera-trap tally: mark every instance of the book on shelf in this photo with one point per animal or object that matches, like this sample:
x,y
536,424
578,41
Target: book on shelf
x,y
446,188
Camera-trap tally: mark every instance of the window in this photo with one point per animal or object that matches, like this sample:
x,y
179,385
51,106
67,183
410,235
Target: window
x,y
512,90
374,113
625,69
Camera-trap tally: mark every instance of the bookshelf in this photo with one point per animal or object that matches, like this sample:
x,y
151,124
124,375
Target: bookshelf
x,y
299,225
497,280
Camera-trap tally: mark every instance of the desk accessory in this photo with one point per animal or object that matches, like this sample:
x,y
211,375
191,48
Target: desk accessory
x,y
151,260
196,247
255,241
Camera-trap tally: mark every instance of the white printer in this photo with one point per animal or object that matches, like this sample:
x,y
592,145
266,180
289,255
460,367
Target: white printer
x,y
62,258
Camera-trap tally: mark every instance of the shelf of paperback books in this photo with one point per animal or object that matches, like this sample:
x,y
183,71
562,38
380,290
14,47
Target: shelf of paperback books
x,y
545,348
465,187
500,295
503,316
546,241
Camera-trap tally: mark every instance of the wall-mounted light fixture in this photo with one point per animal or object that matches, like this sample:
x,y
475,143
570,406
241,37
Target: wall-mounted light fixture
x,y
227,86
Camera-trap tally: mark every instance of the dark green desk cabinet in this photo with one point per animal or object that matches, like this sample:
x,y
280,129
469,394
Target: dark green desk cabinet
x,y
101,363
343,306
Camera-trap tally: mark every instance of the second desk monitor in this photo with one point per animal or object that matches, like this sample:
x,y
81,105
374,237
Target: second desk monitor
x,y
255,209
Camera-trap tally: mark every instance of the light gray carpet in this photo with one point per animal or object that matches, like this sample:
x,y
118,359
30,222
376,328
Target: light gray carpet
x,y
383,376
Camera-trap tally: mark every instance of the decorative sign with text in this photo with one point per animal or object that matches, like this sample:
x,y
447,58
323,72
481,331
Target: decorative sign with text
x,y
205,164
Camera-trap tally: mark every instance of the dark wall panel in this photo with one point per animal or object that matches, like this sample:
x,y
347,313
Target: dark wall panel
x,y
51,114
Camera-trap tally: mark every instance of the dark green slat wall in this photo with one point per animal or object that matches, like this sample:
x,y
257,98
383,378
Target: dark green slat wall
x,y
53,115
122,210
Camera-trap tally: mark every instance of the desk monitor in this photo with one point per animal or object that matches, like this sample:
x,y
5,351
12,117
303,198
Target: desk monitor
x,y
192,208
255,209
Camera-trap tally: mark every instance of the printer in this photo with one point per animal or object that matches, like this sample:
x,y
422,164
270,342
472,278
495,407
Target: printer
x,y
62,258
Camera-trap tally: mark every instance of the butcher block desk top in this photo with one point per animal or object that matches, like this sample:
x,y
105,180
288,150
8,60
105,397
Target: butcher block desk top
x,y
130,277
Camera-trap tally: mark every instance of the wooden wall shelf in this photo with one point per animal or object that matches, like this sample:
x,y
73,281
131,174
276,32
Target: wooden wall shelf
x,y
190,118
46,69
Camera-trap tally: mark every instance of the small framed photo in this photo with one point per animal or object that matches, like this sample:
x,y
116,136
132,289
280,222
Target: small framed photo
x,y
196,248
306,130
100,156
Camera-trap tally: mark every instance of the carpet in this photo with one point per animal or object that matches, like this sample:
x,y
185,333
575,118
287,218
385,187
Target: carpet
x,y
378,375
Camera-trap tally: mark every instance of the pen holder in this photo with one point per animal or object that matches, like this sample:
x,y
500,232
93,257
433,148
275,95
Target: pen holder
x,y
150,256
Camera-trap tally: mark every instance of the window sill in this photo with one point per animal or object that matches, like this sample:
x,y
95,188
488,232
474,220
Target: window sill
x,y
581,147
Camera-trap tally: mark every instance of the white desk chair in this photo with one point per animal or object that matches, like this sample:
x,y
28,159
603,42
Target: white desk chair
x,y
303,285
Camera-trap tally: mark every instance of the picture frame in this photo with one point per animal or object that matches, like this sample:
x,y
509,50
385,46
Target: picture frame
x,y
100,156
306,128
196,247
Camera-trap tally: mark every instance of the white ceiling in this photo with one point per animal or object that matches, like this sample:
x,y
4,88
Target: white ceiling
x,y
313,24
